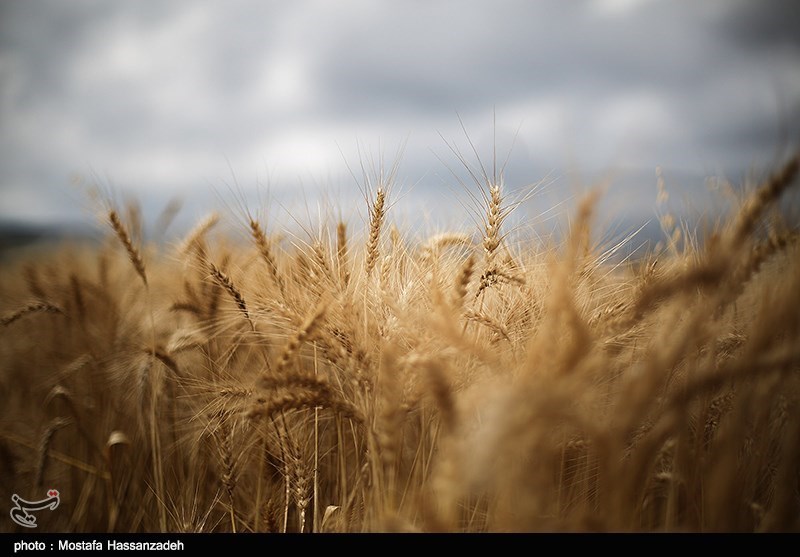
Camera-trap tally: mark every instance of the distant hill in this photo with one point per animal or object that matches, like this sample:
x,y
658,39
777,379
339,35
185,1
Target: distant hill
x,y
17,236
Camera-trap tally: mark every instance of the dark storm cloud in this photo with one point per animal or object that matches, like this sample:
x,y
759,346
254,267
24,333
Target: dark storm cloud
x,y
764,24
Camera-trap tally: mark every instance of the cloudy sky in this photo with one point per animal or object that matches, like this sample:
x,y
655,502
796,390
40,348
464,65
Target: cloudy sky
x,y
165,99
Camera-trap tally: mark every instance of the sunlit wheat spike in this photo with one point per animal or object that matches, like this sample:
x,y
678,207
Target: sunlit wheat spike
x,y
494,218
487,321
265,250
375,223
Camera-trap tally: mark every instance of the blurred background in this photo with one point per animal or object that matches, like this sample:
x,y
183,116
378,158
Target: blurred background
x,y
213,102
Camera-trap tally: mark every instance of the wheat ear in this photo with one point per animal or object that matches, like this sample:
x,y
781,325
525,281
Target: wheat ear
x,y
133,253
766,194
305,330
462,282
225,282
341,252
494,218
194,240
376,215
33,307
264,249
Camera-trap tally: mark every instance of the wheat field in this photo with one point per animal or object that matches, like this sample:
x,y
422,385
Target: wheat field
x,y
360,380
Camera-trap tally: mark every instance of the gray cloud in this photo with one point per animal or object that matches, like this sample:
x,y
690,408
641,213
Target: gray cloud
x,y
163,96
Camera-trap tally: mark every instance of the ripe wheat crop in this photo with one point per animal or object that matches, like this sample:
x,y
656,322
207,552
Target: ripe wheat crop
x,y
363,381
